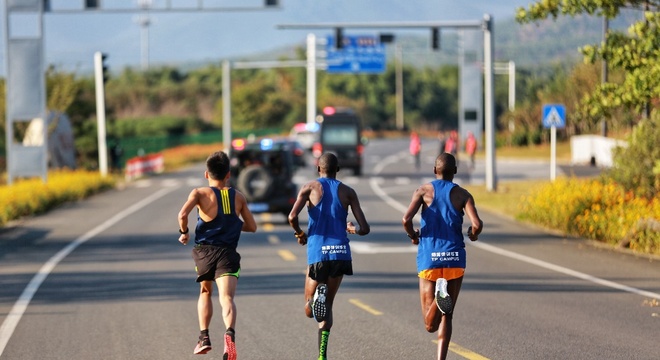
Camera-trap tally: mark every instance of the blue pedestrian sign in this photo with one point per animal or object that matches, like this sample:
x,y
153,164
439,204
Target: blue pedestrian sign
x,y
554,115
359,54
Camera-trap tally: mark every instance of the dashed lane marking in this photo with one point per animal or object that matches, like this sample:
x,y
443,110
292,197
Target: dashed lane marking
x,y
286,255
466,353
273,239
365,307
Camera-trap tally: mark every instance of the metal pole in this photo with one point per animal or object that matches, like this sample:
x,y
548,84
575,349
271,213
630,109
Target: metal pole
x,y
9,127
311,78
226,106
489,111
144,32
553,152
512,85
603,124
398,61
100,113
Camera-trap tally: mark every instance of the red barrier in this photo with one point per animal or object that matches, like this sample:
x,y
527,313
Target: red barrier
x,y
141,165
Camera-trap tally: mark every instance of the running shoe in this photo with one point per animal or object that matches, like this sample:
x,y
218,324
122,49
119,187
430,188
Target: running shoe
x,y
442,298
319,308
203,346
230,348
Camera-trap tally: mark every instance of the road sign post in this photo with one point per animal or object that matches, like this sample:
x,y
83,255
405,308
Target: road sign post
x,y
554,116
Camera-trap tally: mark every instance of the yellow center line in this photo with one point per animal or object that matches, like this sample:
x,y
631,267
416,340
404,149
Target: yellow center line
x,y
286,255
273,239
365,307
466,353
268,227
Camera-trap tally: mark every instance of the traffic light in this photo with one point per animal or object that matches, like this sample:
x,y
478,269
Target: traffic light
x,y
272,2
386,38
339,38
92,4
435,38
105,67
46,4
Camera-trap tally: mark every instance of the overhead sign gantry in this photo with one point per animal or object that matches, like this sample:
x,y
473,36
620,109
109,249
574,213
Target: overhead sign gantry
x,y
485,25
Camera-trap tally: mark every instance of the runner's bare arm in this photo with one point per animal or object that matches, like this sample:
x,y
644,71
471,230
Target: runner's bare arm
x,y
354,203
191,202
415,203
471,211
249,224
301,200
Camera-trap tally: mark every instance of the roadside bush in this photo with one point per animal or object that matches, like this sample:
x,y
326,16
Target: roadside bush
x,y
603,211
187,154
637,166
33,196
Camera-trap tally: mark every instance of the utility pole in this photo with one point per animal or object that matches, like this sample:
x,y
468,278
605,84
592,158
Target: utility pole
x,y
603,121
398,63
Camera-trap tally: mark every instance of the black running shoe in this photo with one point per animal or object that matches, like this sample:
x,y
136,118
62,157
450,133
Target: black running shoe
x,y
442,298
319,308
203,346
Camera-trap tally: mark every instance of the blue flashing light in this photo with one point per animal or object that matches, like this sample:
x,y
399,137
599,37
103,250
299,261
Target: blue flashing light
x,y
313,127
266,144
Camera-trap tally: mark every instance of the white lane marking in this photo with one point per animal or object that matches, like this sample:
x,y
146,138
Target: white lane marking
x,y
398,206
170,183
196,182
362,247
402,180
563,270
17,311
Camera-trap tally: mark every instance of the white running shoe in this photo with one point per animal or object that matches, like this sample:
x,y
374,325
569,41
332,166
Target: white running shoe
x,y
442,298
319,308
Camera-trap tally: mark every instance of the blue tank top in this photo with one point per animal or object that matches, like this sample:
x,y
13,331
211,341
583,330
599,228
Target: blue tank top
x,y
225,229
441,243
326,233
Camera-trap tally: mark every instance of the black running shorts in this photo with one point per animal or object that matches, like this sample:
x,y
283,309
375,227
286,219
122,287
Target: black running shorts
x,y
212,262
322,270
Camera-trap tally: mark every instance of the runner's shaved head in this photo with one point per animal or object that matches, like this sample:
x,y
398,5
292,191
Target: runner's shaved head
x,y
328,163
445,165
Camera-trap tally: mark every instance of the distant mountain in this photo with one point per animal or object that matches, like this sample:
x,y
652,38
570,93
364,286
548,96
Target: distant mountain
x,y
530,46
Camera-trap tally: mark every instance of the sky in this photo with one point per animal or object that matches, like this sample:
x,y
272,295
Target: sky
x,y
180,37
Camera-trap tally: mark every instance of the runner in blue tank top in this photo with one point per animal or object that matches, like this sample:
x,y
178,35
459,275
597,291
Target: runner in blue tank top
x,y
441,252
219,225
328,251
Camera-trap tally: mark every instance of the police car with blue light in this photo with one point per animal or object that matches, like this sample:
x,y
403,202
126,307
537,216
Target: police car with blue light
x,y
263,171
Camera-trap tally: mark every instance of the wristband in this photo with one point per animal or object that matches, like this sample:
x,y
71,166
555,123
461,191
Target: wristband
x,y
183,232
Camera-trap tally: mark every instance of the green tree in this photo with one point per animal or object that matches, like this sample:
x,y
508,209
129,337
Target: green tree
x,y
637,54
638,165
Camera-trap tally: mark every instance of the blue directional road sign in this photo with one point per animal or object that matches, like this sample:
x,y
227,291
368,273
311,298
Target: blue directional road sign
x,y
554,115
359,54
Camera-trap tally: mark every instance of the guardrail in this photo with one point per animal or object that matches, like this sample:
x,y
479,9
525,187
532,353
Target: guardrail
x,y
139,166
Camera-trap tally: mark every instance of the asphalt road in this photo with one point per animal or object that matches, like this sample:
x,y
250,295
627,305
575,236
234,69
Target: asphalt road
x,y
106,278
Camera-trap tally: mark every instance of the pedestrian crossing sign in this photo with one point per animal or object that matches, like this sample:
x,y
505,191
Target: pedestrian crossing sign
x,y
554,115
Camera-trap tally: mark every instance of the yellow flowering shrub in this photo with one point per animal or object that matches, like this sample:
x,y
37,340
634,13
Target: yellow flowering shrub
x,y
597,210
183,155
33,196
